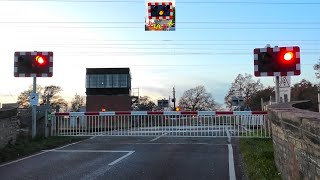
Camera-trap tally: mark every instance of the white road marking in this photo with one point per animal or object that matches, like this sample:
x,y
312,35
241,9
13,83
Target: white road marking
x,y
42,152
22,159
118,160
232,173
97,151
67,145
174,143
87,151
152,140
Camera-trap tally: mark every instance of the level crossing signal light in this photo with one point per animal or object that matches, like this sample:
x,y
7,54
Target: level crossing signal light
x,y
288,56
33,64
160,10
277,61
40,60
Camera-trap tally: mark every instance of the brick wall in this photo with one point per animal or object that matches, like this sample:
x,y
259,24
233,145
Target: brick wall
x,y
109,102
296,141
9,126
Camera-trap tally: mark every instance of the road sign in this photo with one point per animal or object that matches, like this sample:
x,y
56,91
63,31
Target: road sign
x,y
285,94
285,88
284,81
34,99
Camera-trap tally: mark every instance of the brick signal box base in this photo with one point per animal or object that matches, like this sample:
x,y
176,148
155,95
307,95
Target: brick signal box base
x,y
108,102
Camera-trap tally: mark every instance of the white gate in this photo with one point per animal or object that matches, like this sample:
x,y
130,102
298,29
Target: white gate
x,y
167,123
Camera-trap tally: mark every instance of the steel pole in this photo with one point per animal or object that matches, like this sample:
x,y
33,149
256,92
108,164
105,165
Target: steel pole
x,y
277,90
34,110
319,100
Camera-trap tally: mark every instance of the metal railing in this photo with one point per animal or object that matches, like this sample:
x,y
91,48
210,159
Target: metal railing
x,y
167,123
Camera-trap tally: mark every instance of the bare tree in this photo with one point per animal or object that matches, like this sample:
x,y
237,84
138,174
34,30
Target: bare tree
x,y
244,86
197,99
23,98
58,101
77,102
52,92
49,92
144,104
305,90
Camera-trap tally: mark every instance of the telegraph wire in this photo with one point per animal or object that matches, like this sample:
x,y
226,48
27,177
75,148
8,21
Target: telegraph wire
x,y
200,40
186,28
161,53
177,48
183,22
181,2
160,44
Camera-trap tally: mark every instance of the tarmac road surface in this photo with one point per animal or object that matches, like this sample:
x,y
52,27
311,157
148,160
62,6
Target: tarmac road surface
x,y
132,158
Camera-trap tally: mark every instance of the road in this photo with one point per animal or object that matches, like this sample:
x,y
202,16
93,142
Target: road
x,y
134,158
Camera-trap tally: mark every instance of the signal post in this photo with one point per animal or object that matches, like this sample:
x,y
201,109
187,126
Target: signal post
x,y
277,61
33,64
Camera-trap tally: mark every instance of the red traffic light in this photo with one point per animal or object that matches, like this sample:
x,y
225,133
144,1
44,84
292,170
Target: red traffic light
x,y
288,56
41,60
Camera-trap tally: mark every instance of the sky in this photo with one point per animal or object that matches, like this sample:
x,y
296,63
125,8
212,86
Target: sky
x,y
212,44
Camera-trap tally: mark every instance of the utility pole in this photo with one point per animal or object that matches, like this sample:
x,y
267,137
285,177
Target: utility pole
x,y
174,98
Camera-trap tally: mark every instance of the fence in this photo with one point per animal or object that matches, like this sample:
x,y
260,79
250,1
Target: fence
x,y
174,124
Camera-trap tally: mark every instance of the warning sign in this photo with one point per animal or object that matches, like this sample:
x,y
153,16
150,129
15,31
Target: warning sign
x,y
285,89
284,81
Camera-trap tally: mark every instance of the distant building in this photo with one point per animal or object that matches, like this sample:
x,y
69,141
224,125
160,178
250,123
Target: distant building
x,y
9,105
163,103
108,89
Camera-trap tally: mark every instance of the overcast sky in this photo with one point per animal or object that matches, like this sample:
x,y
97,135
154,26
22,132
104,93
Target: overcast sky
x,y
158,60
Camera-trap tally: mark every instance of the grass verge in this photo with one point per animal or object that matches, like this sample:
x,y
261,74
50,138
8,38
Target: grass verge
x,y
24,148
259,159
